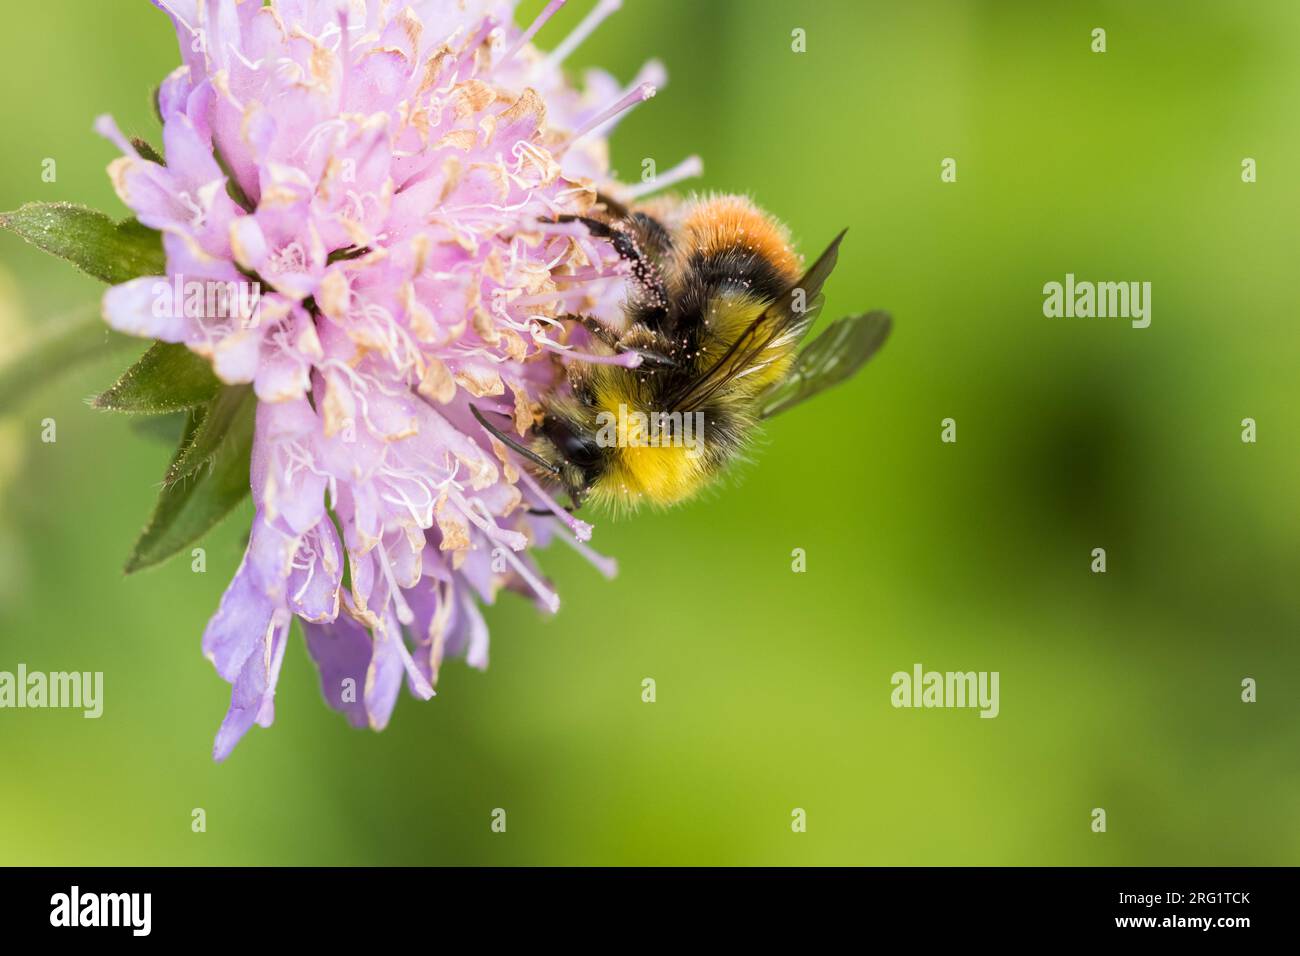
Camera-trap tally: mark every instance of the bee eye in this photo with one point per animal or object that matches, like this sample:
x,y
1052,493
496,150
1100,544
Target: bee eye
x,y
577,449
580,451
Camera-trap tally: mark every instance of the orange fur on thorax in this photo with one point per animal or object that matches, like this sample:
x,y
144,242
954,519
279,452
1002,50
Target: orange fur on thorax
x,y
724,222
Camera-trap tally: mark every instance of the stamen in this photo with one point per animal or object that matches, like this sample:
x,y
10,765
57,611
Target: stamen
x,y
587,275
166,6
605,565
574,229
311,573
404,613
402,500
653,73
688,168
421,687
579,527
627,359
642,93
583,30
531,32
478,513
107,128
549,598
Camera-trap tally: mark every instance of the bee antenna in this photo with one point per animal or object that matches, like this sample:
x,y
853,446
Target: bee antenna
x,y
511,443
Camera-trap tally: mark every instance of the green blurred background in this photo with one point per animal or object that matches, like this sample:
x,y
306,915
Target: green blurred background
x,y
1119,691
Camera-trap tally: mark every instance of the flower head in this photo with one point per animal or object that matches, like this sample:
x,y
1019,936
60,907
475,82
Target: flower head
x,y
391,178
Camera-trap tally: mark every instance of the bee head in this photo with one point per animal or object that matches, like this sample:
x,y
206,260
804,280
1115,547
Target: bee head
x,y
572,446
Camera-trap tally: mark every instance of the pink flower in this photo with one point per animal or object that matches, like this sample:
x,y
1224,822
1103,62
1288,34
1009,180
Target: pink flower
x,y
395,176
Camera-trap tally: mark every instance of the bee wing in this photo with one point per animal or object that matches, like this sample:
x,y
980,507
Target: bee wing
x,y
829,359
784,321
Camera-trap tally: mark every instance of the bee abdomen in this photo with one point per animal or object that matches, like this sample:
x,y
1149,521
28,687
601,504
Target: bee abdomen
x,y
737,269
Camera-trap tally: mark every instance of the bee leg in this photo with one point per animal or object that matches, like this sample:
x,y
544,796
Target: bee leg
x,y
610,338
625,244
602,333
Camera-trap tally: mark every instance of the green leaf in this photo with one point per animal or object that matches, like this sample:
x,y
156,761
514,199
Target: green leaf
x,y
107,250
189,507
164,428
232,405
34,362
167,378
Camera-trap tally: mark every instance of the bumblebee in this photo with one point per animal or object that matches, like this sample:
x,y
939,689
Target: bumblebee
x,y
717,309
